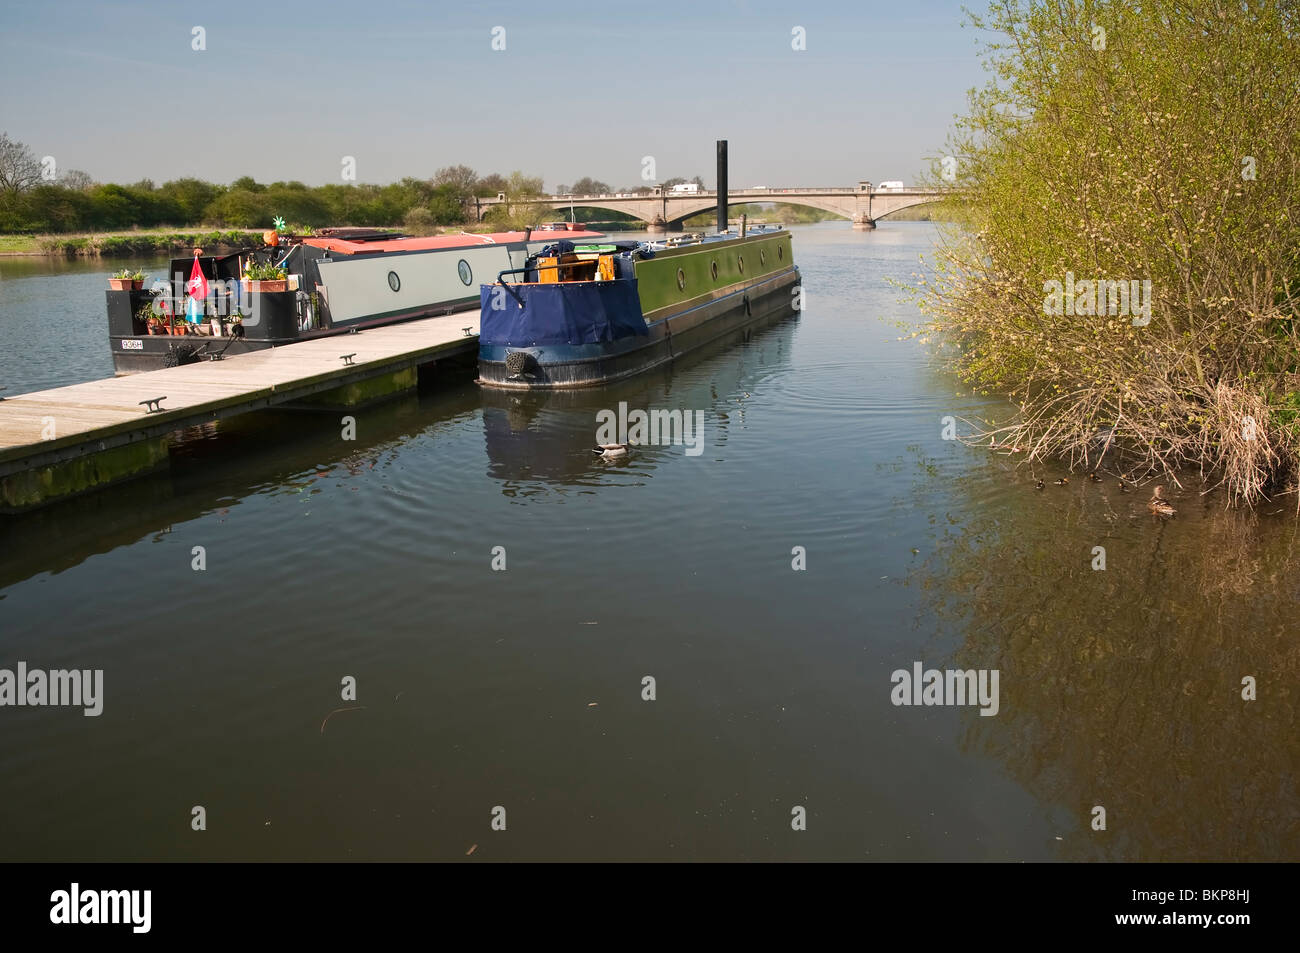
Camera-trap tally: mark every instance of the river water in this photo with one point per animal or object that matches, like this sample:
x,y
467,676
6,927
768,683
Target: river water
x,y
521,694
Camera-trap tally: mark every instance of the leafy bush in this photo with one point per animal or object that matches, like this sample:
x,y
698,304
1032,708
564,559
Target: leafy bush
x,y
1164,149
419,221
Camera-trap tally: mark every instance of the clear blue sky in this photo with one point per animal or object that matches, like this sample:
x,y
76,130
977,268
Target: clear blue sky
x,y
285,89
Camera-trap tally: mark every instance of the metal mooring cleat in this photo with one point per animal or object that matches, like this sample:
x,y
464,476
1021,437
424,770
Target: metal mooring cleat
x,y
151,406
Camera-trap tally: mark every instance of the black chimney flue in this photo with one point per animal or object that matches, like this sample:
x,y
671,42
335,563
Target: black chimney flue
x,y
722,186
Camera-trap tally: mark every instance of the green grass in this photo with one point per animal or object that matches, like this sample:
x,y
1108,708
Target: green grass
x,y
126,244
19,244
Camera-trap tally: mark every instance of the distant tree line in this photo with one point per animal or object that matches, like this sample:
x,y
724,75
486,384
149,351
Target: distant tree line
x,y
75,202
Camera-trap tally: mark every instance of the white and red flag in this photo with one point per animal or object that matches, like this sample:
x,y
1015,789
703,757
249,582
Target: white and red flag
x,y
197,286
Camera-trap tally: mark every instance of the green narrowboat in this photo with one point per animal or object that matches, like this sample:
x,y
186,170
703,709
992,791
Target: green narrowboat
x,y
579,315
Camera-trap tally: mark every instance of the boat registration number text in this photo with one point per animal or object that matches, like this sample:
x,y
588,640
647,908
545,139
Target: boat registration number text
x,y
130,345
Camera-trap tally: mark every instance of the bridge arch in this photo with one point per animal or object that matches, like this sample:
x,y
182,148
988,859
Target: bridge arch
x,y
636,209
834,207
885,206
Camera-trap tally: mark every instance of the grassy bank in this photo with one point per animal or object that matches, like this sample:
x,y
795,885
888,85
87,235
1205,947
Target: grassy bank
x,y
127,244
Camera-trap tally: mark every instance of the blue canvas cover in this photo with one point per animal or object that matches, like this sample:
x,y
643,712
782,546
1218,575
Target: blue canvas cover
x,y
570,312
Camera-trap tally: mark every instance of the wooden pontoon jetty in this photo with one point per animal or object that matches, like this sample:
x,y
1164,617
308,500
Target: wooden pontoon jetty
x,y
60,442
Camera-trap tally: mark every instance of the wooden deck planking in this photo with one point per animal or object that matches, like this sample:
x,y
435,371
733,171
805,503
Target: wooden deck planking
x,y
85,413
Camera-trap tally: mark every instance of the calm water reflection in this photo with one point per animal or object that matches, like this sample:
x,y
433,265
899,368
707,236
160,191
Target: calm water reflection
x,y
53,331
372,559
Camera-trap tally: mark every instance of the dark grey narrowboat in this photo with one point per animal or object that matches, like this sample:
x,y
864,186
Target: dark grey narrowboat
x,y
335,281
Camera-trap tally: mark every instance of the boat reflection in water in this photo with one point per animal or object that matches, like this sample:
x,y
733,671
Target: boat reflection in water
x,y
543,441
536,441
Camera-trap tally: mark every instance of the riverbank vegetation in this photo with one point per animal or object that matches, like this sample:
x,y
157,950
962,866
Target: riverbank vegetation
x,y
1130,274
121,244
77,204
72,203
765,212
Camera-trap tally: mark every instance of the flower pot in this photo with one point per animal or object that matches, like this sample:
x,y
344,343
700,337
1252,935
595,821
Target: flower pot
x,y
137,284
266,287
121,284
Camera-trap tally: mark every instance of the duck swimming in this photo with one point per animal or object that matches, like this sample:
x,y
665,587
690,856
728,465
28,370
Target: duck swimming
x,y
1061,482
1158,505
612,451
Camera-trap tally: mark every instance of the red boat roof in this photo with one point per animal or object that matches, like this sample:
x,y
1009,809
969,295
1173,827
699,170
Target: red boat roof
x,y
466,240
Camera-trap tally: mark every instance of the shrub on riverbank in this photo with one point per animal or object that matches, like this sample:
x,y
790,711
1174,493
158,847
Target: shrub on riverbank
x,y
145,243
1133,260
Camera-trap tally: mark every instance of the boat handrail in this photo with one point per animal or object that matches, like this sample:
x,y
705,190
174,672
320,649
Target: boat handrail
x,y
504,284
515,271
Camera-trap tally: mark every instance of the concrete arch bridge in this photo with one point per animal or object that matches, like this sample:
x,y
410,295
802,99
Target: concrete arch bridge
x,y
863,205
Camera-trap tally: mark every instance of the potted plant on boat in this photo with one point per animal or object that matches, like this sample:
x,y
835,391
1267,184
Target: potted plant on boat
x,y
128,279
150,318
266,278
154,313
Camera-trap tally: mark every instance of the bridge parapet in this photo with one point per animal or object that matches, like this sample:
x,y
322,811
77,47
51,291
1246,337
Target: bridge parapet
x,y
662,208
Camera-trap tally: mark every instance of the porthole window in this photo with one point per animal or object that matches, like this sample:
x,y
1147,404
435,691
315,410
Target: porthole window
x,y
681,280
466,274
713,267
740,263
394,282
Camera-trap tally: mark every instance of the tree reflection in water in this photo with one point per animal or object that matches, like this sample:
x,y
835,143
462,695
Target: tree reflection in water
x,y
1123,687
